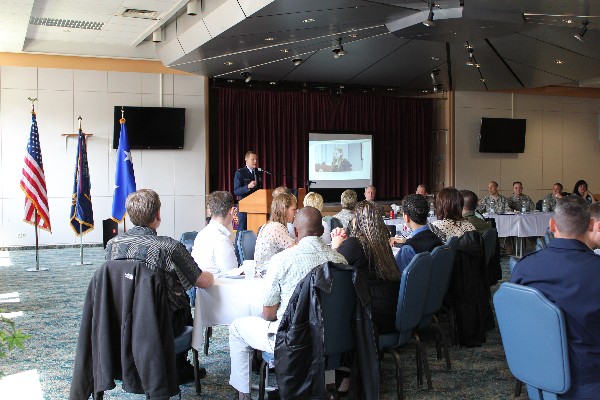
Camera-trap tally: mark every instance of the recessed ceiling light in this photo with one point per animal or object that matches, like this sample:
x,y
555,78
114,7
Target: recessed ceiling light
x,y
285,50
434,58
425,91
308,20
230,80
353,35
391,89
269,39
559,61
568,21
483,80
228,63
272,83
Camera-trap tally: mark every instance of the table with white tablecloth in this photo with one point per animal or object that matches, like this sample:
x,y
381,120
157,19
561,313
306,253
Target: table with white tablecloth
x,y
401,228
521,226
226,300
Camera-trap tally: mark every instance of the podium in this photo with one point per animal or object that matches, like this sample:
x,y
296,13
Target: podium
x,y
257,206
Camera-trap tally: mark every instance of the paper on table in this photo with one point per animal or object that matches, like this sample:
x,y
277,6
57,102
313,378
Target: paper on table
x,y
235,272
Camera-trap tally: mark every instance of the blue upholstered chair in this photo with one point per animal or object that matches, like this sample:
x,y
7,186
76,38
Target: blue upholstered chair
x,y
534,336
512,261
409,312
246,244
540,244
187,238
442,261
337,308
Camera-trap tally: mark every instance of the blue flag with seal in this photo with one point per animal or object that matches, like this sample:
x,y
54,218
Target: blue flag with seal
x,y
124,176
82,215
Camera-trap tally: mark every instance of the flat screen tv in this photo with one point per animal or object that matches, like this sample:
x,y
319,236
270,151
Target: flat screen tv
x,y
502,135
151,127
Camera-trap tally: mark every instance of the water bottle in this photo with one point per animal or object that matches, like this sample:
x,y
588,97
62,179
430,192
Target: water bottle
x,y
431,210
492,207
545,205
523,208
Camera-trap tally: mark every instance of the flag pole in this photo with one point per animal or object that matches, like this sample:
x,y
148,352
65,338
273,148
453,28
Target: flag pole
x,y
37,255
81,262
124,221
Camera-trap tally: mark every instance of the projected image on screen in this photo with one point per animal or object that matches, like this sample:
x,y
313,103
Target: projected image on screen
x,y
339,160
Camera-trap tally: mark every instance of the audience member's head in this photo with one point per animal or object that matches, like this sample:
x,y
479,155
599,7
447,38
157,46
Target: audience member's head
x,y
470,199
370,229
143,207
580,187
308,222
449,204
220,204
493,188
313,199
415,207
517,188
594,235
283,208
557,188
349,199
571,217
370,193
279,190
422,189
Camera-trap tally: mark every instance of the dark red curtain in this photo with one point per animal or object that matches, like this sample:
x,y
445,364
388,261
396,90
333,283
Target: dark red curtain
x,y
276,126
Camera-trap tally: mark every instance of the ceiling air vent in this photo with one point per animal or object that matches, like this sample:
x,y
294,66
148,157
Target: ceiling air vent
x,y
144,14
66,23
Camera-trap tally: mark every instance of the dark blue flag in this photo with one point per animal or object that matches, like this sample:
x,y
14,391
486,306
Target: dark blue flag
x,y
82,215
124,176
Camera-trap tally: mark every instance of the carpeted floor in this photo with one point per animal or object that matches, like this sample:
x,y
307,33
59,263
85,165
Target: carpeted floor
x,y
51,303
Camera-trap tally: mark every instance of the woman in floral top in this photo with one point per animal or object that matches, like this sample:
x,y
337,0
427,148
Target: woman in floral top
x,y
273,236
450,222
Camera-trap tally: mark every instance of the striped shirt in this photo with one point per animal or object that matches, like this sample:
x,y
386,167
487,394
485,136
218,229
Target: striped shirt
x,y
158,252
290,266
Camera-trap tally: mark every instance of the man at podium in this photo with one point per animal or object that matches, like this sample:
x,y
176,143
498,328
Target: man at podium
x,y
246,181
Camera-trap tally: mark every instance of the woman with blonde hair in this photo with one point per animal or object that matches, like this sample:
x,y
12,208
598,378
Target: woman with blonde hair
x,y
369,251
314,199
273,236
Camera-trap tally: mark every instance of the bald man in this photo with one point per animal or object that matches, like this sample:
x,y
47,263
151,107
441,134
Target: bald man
x,y
286,269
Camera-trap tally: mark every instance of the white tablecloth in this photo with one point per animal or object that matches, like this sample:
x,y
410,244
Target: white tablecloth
x,y
226,300
522,225
399,223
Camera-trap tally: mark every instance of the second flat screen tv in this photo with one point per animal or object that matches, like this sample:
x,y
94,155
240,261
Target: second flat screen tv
x,y
151,127
502,135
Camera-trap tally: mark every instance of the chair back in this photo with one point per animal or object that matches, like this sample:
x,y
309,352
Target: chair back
x,y
413,291
335,223
534,335
540,244
489,244
337,308
392,229
453,242
246,244
512,262
187,238
442,260
548,236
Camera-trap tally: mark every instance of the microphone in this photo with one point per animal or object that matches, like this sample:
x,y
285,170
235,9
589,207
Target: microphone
x,y
262,170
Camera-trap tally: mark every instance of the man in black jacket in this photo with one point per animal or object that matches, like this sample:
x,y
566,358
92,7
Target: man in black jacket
x,y
161,252
246,181
286,269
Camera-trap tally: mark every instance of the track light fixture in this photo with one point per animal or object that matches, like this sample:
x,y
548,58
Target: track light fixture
x,y
297,61
247,76
338,50
157,36
429,21
579,36
192,7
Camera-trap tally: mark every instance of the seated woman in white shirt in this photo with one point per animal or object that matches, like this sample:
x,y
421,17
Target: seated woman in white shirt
x,y
314,199
213,251
273,236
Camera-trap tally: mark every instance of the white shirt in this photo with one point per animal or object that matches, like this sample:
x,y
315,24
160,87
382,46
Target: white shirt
x,y
213,251
290,266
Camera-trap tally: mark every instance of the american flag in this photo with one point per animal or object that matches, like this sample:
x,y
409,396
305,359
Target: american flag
x,y
33,182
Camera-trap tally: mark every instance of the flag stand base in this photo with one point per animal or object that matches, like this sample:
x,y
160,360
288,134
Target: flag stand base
x,y
33,269
82,263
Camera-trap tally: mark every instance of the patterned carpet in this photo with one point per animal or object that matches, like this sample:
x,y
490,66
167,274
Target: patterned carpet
x,y
51,303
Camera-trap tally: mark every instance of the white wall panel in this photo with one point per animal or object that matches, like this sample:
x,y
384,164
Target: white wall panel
x,y
56,79
90,81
